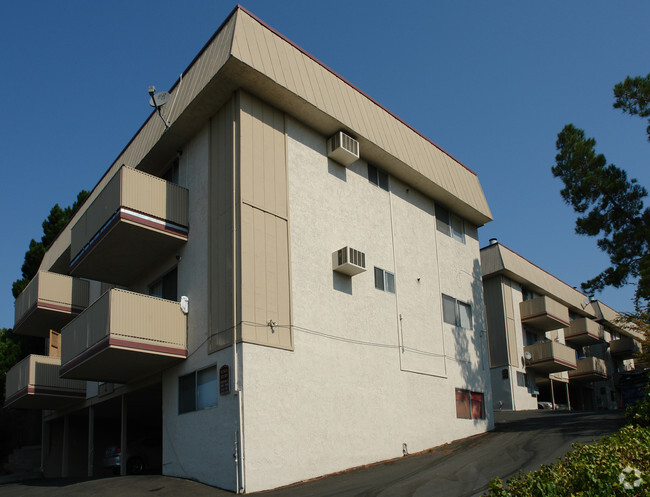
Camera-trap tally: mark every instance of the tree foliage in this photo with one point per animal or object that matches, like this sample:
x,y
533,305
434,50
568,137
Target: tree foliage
x,y
10,352
609,205
53,224
633,97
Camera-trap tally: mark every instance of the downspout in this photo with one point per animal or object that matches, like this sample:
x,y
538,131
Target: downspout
x,y
239,434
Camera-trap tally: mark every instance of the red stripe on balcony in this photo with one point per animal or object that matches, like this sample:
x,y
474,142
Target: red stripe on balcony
x,y
149,347
546,314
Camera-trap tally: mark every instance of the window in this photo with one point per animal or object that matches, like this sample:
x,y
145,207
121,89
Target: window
x,y
456,312
450,224
384,280
378,177
198,390
166,287
171,174
469,405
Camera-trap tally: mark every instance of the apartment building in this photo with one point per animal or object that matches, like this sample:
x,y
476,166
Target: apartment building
x,y
279,282
549,342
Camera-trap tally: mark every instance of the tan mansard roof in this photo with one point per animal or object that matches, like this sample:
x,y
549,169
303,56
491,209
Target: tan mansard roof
x,y
246,53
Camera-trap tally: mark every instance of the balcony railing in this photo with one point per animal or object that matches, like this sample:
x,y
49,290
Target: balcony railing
x,y
583,331
544,313
34,383
550,357
135,222
589,369
122,337
624,348
48,303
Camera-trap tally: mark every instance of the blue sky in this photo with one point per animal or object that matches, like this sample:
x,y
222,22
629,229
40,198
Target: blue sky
x,y
491,82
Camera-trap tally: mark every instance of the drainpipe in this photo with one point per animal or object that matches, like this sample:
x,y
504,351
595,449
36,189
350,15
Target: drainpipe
x,y
239,438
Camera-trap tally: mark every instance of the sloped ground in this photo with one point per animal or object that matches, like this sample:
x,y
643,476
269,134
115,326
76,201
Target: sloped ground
x,y
521,441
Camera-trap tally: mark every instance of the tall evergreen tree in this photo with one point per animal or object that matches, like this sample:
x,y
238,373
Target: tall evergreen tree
x,y
609,205
53,224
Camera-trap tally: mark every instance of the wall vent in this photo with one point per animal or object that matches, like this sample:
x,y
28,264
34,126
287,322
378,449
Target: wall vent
x,y
349,261
343,148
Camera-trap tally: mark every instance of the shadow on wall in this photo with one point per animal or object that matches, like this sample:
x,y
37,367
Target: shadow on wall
x,y
470,346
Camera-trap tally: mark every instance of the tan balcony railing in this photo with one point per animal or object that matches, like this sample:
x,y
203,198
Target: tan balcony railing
x,y
544,313
135,222
122,337
589,369
49,302
624,348
583,331
34,383
550,357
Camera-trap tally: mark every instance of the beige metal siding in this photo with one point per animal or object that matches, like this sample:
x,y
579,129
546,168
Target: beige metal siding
x,y
263,238
52,288
552,351
221,225
541,306
589,366
134,190
129,315
496,322
265,278
581,326
497,259
303,76
511,323
40,371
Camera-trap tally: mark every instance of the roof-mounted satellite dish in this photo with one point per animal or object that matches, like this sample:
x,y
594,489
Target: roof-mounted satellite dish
x,y
157,100
528,355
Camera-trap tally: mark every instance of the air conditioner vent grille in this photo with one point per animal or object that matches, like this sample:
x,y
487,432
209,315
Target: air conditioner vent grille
x,y
349,261
343,148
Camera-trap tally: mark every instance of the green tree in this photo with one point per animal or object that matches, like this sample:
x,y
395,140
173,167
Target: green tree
x,y
609,205
10,353
633,97
52,226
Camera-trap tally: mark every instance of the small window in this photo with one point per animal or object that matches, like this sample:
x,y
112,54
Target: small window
x,y
384,280
450,224
378,177
456,312
166,287
469,405
198,390
171,174
442,220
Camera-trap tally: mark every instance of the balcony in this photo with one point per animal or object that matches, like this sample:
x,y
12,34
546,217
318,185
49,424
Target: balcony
x,y
583,331
624,348
50,301
136,222
589,369
544,314
550,357
122,337
34,383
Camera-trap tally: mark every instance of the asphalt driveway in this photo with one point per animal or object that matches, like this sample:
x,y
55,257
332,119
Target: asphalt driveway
x,y
521,441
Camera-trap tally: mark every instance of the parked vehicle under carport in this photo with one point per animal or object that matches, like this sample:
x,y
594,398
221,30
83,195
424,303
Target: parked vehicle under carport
x,y
144,454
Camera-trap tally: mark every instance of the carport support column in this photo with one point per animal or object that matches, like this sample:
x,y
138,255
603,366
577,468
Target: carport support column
x,y
568,398
91,440
123,438
65,465
552,394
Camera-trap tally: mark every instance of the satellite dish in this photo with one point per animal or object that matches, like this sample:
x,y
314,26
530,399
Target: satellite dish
x,y
528,355
159,99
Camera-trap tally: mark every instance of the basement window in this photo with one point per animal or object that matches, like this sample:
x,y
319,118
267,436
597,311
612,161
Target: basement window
x,y
469,405
198,390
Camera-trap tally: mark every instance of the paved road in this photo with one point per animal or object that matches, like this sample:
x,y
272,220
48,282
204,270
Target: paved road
x,y
521,441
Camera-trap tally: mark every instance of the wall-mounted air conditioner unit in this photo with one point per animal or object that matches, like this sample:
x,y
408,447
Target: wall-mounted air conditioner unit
x,y
349,261
343,148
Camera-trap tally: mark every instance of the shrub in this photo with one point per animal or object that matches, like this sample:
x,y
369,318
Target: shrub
x,y
618,465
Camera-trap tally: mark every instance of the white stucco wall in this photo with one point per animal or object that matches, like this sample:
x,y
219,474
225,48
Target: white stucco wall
x,y
349,394
199,444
